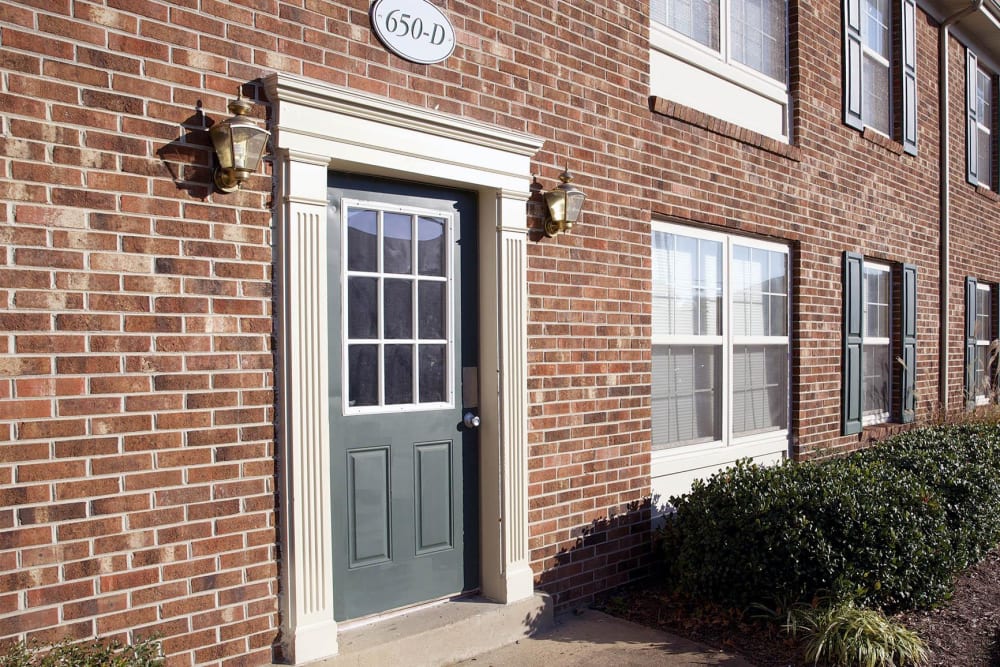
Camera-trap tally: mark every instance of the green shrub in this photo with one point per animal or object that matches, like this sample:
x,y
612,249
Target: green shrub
x,y
888,527
93,653
962,464
847,636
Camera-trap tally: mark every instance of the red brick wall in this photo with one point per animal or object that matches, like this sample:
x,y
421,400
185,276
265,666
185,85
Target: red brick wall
x,y
136,385
975,245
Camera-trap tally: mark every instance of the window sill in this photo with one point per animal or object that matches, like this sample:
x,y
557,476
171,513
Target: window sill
x,y
988,193
878,432
691,116
879,139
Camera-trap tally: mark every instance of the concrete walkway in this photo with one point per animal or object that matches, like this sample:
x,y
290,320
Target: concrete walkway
x,y
592,639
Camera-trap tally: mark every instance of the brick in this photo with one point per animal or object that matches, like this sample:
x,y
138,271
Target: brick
x,y
93,567
36,387
87,489
89,446
118,542
126,424
119,504
48,344
89,529
23,409
51,470
25,537
99,606
119,464
38,597
69,407
51,513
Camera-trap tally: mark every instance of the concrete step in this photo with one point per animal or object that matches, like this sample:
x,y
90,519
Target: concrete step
x,y
441,634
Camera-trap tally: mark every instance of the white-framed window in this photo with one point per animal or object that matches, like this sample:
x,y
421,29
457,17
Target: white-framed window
x,y
982,333
982,140
720,339
984,105
877,348
397,324
982,304
879,365
751,33
876,44
728,58
880,78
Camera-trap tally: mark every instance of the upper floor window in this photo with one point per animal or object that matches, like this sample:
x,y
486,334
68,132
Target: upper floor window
x,y
982,135
880,86
876,43
749,32
727,58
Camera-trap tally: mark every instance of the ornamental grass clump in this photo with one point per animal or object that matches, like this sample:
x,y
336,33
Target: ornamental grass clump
x,y
847,636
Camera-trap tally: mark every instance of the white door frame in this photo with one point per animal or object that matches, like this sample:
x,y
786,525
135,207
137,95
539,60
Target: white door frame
x,y
318,127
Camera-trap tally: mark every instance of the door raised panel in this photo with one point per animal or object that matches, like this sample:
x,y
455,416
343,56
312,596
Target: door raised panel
x,y
368,501
434,493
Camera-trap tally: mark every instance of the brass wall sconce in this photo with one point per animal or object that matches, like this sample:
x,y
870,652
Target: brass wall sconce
x,y
564,204
239,144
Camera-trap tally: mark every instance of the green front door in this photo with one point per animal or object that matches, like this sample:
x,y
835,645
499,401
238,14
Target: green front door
x,y
402,267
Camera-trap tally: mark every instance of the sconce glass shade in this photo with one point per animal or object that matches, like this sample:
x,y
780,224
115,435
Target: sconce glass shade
x,y
565,202
239,145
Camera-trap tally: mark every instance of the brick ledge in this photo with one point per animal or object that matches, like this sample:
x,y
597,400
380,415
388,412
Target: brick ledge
x,y
988,193
692,116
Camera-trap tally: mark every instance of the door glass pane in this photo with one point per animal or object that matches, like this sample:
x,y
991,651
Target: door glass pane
x,y
398,243
362,307
398,374
432,314
362,375
431,246
433,373
398,308
397,323
362,240
686,395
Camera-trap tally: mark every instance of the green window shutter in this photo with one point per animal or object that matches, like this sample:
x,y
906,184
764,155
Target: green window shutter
x,y
908,11
995,128
971,131
908,352
994,371
852,392
970,342
852,64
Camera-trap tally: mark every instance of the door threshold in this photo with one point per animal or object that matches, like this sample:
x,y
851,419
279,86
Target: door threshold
x,y
439,633
360,622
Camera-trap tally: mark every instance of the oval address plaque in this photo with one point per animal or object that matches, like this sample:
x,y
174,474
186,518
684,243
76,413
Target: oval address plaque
x,y
413,29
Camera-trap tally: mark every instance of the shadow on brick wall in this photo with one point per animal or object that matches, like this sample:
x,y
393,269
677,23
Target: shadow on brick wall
x,y
607,554
189,157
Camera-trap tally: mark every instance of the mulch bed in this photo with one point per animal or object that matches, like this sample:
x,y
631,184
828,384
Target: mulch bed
x,y
963,632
